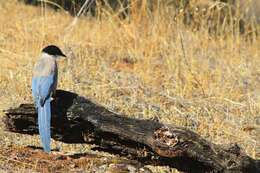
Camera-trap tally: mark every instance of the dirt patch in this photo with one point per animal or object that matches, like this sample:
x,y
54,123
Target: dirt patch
x,y
15,159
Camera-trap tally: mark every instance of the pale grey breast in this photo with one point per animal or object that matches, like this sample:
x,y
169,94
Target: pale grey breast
x,y
45,66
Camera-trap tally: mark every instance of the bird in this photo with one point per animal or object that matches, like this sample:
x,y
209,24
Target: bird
x,y
44,84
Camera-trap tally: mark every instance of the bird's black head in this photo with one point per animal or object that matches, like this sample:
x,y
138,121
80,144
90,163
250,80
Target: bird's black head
x,y
53,50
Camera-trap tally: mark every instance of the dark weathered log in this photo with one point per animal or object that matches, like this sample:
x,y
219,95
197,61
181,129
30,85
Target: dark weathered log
x,y
78,120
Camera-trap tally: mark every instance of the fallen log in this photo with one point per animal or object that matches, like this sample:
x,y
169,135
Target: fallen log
x,y
76,119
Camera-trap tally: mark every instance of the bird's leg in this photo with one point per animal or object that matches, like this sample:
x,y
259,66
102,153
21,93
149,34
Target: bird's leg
x,y
54,98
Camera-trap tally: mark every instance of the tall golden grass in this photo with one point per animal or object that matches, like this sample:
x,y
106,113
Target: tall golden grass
x,y
146,67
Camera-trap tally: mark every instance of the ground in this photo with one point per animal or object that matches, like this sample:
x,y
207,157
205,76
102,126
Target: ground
x,y
144,69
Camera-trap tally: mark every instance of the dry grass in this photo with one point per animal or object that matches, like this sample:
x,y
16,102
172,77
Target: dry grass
x,y
144,68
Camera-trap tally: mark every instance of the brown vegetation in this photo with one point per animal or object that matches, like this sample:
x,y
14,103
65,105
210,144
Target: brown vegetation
x,y
147,67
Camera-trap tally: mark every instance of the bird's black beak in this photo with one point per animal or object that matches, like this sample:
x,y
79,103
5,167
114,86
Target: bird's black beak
x,y
63,55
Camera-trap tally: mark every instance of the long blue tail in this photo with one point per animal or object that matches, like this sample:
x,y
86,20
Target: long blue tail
x,y
44,122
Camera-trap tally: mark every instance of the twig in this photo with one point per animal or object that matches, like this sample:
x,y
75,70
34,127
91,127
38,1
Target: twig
x,y
52,3
69,28
189,68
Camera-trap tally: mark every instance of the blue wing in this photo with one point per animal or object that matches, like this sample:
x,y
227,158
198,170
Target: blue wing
x,y
42,86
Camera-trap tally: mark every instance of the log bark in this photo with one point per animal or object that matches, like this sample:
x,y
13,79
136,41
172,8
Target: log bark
x,y
76,119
